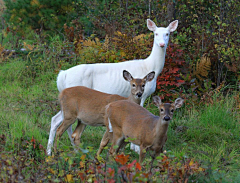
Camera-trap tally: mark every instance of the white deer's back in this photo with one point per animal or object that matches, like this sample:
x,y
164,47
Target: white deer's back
x,y
104,77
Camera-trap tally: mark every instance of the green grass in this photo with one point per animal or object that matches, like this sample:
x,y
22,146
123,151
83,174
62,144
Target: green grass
x,y
208,133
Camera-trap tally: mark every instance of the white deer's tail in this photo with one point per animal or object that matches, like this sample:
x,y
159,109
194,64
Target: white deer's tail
x,y
61,81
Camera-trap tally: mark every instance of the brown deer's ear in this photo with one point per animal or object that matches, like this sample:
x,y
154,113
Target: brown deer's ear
x,y
178,102
157,101
127,76
150,76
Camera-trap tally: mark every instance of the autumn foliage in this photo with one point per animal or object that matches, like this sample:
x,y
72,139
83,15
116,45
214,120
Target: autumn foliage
x,y
30,159
170,79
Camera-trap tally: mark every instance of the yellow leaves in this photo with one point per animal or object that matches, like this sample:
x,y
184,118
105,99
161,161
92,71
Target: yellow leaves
x,y
52,171
132,47
191,162
28,46
83,157
106,44
200,169
35,2
92,43
202,67
69,178
122,53
81,164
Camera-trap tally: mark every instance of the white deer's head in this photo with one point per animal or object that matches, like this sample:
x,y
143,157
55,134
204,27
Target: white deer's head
x,y
161,34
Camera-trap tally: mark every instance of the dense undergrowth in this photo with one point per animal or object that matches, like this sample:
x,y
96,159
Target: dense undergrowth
x,y
201,66
203,141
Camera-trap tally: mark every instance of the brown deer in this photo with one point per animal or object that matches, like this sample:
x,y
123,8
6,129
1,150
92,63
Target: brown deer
x,y
88,105
131,121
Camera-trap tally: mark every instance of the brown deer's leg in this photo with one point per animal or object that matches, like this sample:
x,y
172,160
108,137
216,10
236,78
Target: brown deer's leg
x,y
142,153
62,128
106,137
78,132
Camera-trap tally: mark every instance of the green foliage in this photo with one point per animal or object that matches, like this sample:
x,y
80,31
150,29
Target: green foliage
x,y
207,28
205,134
38,15
211,27
201,139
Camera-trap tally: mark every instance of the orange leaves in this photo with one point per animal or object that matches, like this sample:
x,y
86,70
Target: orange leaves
x,y
122,159
181,170
138,166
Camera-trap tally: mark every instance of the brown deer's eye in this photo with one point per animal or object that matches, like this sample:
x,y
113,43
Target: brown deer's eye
x,y
172,111
143,86
161,110
133,85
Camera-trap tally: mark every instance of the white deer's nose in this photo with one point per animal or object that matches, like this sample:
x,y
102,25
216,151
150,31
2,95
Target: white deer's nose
x,y
162,44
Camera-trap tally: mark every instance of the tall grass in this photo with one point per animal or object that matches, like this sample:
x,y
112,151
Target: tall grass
x,y
209,133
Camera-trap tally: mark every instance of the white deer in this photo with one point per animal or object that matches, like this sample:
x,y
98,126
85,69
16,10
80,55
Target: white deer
x,y
107,77
88,105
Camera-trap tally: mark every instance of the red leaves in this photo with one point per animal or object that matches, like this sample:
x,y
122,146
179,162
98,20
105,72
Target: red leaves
x,y
131,164
138,166
111,172
122,159
34,142
170,78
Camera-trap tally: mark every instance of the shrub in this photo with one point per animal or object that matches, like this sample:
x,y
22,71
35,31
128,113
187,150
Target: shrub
x,y
38,15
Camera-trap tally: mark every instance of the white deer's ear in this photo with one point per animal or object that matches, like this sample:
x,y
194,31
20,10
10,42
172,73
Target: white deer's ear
x,y
150,76
178,102
173,26
151,25
157,101
127,76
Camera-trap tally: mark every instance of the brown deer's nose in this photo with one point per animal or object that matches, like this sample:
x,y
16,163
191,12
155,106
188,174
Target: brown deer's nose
x,y
139,94
166,118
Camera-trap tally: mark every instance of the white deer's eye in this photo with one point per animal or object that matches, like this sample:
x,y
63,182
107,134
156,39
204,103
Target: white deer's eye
x,y
167,34
156,34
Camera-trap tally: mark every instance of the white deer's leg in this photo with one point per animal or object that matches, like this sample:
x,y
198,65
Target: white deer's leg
x,y
55,122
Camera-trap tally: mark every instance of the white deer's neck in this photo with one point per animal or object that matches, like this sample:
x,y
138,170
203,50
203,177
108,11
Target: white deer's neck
x,y
156,59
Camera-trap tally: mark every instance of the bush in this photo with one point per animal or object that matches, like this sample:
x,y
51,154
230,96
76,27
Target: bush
x,y
38,15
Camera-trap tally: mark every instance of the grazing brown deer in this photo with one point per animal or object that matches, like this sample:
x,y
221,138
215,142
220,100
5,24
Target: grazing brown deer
x,y
88,105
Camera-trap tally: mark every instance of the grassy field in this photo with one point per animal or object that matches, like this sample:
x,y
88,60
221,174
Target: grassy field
x,y
208,134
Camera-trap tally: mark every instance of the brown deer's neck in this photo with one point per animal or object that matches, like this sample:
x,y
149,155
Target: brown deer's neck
x,y
161,130
133,99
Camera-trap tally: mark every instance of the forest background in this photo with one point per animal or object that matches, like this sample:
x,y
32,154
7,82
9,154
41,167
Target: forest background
x,y
38,38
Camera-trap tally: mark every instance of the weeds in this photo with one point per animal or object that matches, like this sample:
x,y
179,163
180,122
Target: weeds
x,y
203,139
